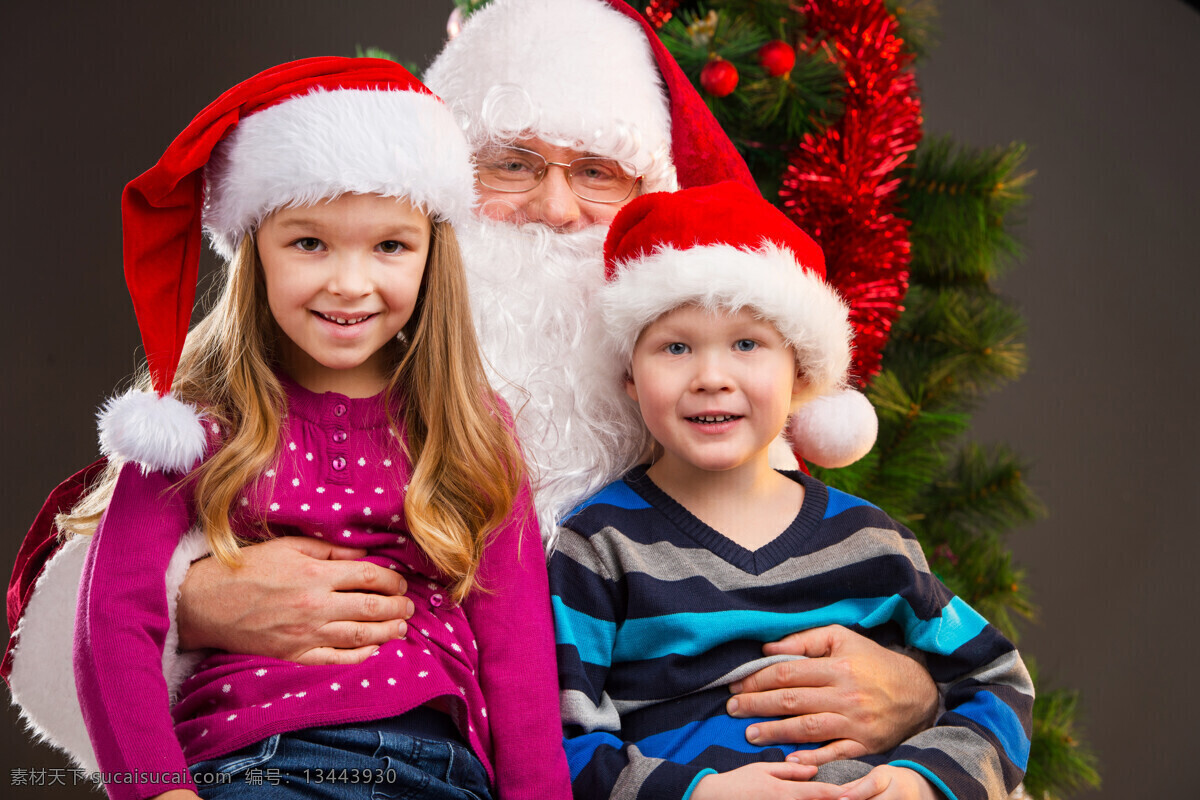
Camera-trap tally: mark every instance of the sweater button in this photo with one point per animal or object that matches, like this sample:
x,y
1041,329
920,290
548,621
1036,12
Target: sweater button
x,y
339,410
338,463
435,600
338,437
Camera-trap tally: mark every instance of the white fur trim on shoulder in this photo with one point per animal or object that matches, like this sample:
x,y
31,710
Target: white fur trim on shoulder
x,y
158,432
43,673
806,310
177,666
834,430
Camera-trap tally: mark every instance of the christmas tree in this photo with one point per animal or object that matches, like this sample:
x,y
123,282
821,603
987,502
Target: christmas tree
x,y
821,100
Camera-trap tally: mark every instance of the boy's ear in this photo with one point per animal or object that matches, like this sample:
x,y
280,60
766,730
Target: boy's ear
x,y
801,389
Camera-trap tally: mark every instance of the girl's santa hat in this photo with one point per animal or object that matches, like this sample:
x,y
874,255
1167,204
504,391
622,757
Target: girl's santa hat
x,y
725,247
586,74
293,135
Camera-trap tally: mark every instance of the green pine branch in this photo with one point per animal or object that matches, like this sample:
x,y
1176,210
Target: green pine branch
x,y
735,39
1059,764
379,52
469,7
788,106
960,344
983,494
774,17
766,114
963,205
917,20
910,451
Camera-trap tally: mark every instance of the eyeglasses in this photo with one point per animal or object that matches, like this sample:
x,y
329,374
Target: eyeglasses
x,y
515,169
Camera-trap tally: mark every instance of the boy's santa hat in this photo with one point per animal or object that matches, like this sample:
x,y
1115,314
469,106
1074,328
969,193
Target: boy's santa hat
x,y
725,247
293,135
587,74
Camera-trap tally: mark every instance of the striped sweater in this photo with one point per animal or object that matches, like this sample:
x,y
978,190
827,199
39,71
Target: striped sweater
x,y
656,614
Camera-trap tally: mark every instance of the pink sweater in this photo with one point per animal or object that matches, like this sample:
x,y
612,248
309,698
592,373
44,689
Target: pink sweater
x,y
489,663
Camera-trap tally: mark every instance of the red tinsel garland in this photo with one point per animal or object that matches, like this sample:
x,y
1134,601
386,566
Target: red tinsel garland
x,y
841,183
659,12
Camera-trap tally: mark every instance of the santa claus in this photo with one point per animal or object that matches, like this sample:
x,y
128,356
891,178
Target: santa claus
x,y
573,108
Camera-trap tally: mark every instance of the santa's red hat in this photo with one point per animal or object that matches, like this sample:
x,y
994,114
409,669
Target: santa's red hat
x,y
586,74
725,247
290,136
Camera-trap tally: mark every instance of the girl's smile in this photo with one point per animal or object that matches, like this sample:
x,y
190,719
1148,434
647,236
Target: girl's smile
x,y
342,280
343,319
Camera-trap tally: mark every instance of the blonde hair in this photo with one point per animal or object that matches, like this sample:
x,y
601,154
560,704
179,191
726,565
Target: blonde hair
x,y
466,467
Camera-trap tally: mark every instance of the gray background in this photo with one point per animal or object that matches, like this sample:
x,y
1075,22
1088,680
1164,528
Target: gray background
x,y
1102,91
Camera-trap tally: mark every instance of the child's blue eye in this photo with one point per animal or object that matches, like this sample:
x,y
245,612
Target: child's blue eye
x,y
745,345
391,247
676,348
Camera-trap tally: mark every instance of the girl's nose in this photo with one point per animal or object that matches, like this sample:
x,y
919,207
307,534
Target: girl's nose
x,y
350,276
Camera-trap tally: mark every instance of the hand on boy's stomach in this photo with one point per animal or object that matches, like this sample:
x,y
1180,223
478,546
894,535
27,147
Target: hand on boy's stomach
x,y
850,692
294,598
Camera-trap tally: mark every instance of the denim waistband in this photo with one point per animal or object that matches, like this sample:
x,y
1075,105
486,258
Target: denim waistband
x,y
422,722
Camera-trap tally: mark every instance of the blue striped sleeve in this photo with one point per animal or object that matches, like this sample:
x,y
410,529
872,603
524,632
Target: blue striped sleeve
x,y
997,716
592,638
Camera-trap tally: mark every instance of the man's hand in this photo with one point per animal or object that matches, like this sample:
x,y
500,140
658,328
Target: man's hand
x,y
294,598
765,781
850,692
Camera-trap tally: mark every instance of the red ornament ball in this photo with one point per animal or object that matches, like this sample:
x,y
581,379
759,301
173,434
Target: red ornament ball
x,y
777,58
719,78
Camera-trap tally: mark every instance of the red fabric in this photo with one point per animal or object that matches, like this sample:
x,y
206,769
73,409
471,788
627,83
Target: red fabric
x,y
40,544
724,213
161,208
701,150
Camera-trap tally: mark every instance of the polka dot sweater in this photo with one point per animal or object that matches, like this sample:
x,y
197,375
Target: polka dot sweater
x,y
341,477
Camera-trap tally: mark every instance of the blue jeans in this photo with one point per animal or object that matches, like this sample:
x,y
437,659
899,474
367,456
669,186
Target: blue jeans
x,y
345,761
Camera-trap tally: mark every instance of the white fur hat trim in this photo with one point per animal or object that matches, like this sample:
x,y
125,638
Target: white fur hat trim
x,y
572,72
327,143
42,679
806,310
160,433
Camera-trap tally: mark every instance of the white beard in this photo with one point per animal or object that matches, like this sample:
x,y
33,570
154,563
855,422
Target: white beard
x,y
531,295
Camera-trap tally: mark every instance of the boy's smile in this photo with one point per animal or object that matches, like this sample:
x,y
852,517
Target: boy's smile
x,y
715,423
714,389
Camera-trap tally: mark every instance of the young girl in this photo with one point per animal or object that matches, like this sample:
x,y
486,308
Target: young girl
x,y
334,390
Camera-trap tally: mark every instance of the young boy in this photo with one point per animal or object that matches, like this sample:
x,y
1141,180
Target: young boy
x,y
667,583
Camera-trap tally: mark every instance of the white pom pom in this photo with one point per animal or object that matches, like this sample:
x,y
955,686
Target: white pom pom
x,y
160,433
834,430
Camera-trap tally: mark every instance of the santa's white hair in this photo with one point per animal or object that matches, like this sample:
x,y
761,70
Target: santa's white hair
x,y
573,73
532,293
